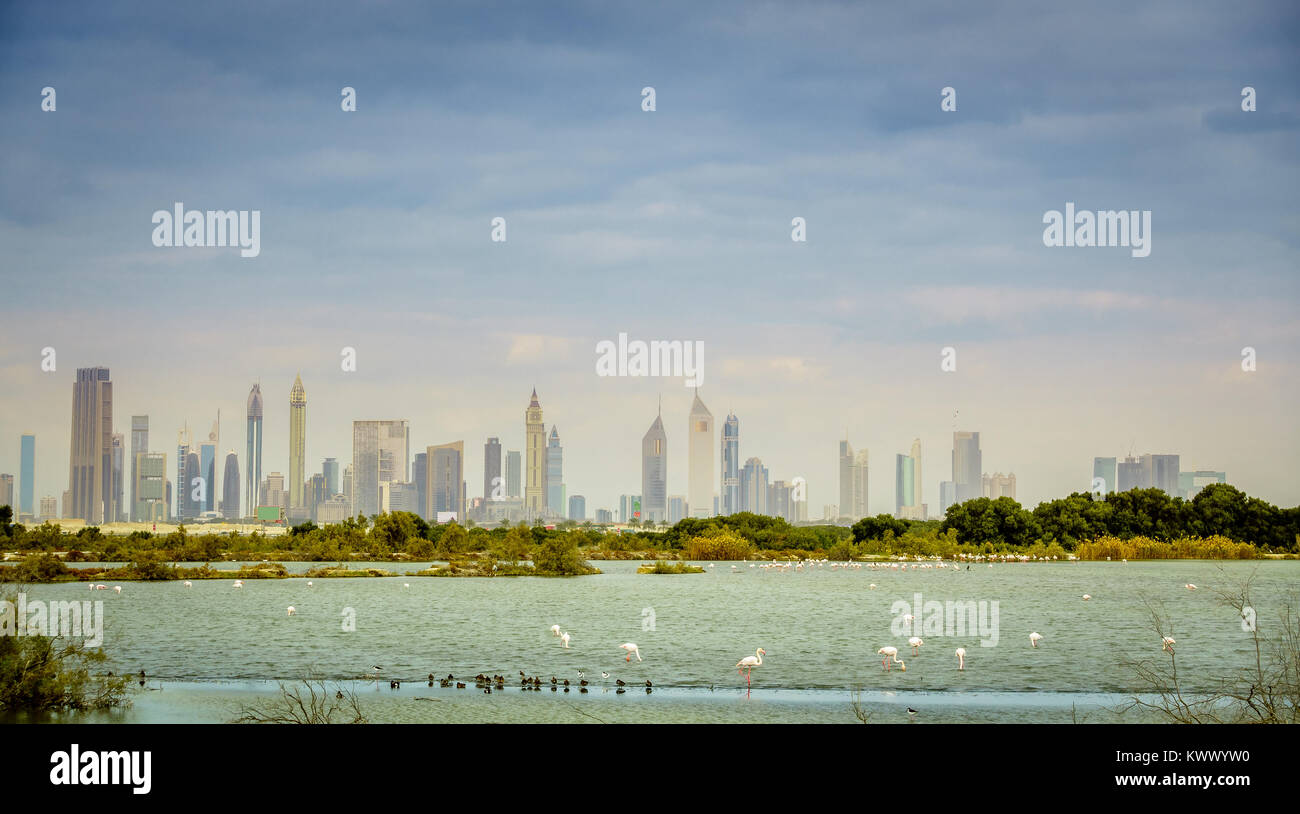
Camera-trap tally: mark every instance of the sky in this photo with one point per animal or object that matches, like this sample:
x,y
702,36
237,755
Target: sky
x,y
924,229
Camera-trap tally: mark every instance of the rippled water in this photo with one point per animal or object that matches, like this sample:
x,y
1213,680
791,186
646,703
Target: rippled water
x,y
209,645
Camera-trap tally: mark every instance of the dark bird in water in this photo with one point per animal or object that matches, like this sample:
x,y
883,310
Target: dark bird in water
x,y
566,682
487,690
911,711
430,678
620,682
647,683
339,694
648,690
460,685
552,679
566,689
582,689
621,690
583,682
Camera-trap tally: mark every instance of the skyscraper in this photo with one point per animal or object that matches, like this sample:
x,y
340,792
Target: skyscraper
x,y
860,480
535,447
139,445
753,487
1129,474
555,474
731,465
908,501
998,485
446,495
90,465
297,442
253,461
420,480
330,469
194,487
1164,472
513,474
208,467
150,487
381,454
846,480
183,486
966,463
493,487
230,487
27,475
699,443
1105,469
119,477
577,508
654,473
7,491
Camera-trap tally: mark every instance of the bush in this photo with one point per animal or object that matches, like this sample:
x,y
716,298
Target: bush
x,y
719,543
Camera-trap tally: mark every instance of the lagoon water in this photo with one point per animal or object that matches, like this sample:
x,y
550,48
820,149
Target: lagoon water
x,y
210,648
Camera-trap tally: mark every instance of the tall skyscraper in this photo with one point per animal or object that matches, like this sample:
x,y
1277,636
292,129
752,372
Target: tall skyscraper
x,y
347,488
446,487
753,487
330,469
253,459
699,443
676,509
297,442
7,491
195,486
535,447
861,467
230,487
555,474
1164,472
420,480
119,477
381,454
208,465
183,444
908,501
1105,469
139,445
493,487
577,508
27,475
150,487
90,465
629,508
654,473
1130,474
947,496
846,480
966,463
731,465
514,474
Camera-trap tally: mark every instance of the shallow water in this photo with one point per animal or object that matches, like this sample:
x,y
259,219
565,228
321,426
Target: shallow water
x,y
210,647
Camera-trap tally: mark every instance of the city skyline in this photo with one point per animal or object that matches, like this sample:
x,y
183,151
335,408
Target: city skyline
x,y
1154,469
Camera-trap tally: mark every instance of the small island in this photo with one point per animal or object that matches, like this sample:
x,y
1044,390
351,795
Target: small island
x,y
661,567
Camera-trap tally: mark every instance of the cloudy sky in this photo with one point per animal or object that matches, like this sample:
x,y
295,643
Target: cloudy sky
x,y
924,229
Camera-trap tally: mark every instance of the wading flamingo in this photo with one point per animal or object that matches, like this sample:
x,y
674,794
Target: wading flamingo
x,y
308,583
748,663
555,630
961,658
1189,586
891,658
189,584
631,649
915,642
1033,639
239,583
564,639
1086,597
292,610
117,588
1168,643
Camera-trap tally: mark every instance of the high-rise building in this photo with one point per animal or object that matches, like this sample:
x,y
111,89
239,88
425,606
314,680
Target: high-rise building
x,y
273,491
513,474
1190,483
49,509
494,487
847,473
420,478
139,445
7,491
230,487
753,487
317,491
577,508
555,474
676,508
381,453
27,476
699,442
731,465
654,473
208,465
1130,474
604,517
330,469
119,477
297,442
1105,470
629,508
347,486
966,462
535,446
998,485
253,461
90,466
183,444
1164,472
193,477
446,496
150,487
860,480
908,501
947,496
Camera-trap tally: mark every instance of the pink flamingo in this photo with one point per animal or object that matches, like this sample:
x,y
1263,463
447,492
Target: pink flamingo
x,y
748,663
890,653
961,658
